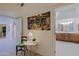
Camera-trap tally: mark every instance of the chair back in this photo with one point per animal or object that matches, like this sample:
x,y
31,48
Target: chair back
x,y
23,38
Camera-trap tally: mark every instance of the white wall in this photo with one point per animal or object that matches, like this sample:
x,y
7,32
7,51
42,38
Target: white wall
x,y
75,22
70,11
67,48
8,44
44,38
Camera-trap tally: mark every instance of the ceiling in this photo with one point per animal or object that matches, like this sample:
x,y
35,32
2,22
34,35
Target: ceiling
x,y
14,9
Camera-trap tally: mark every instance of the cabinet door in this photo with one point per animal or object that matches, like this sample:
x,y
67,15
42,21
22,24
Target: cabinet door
x,y
74,38
60,36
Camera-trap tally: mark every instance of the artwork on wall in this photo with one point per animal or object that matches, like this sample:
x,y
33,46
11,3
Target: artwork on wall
x,y
2,30
39,22
78,27
60,27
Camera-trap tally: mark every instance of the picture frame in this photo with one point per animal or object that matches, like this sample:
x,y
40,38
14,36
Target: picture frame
x,y
2,30
78,26
39,22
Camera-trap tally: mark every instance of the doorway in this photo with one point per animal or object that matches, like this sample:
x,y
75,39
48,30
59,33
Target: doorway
x,y
66,29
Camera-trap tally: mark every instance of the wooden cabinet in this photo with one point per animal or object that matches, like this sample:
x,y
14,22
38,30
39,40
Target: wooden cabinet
x,y
74,38
67,37
60,36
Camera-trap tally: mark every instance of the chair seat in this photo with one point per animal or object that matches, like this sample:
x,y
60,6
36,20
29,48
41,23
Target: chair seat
x,y
22,44
20,47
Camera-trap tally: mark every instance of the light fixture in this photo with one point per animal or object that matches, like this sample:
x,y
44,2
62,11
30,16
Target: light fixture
x,y
70,22
22,4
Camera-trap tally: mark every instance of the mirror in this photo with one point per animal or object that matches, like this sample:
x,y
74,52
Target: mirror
x,y
2,30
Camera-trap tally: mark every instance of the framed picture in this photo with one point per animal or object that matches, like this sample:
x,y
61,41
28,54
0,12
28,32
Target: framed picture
x,y
2,30
78,27
39,22
62,29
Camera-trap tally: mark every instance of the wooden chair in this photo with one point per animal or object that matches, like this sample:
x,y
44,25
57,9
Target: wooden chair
x,y
21,46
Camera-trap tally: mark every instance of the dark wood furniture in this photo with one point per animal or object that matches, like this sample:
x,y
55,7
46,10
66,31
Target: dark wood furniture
x,y
69,37
21,46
